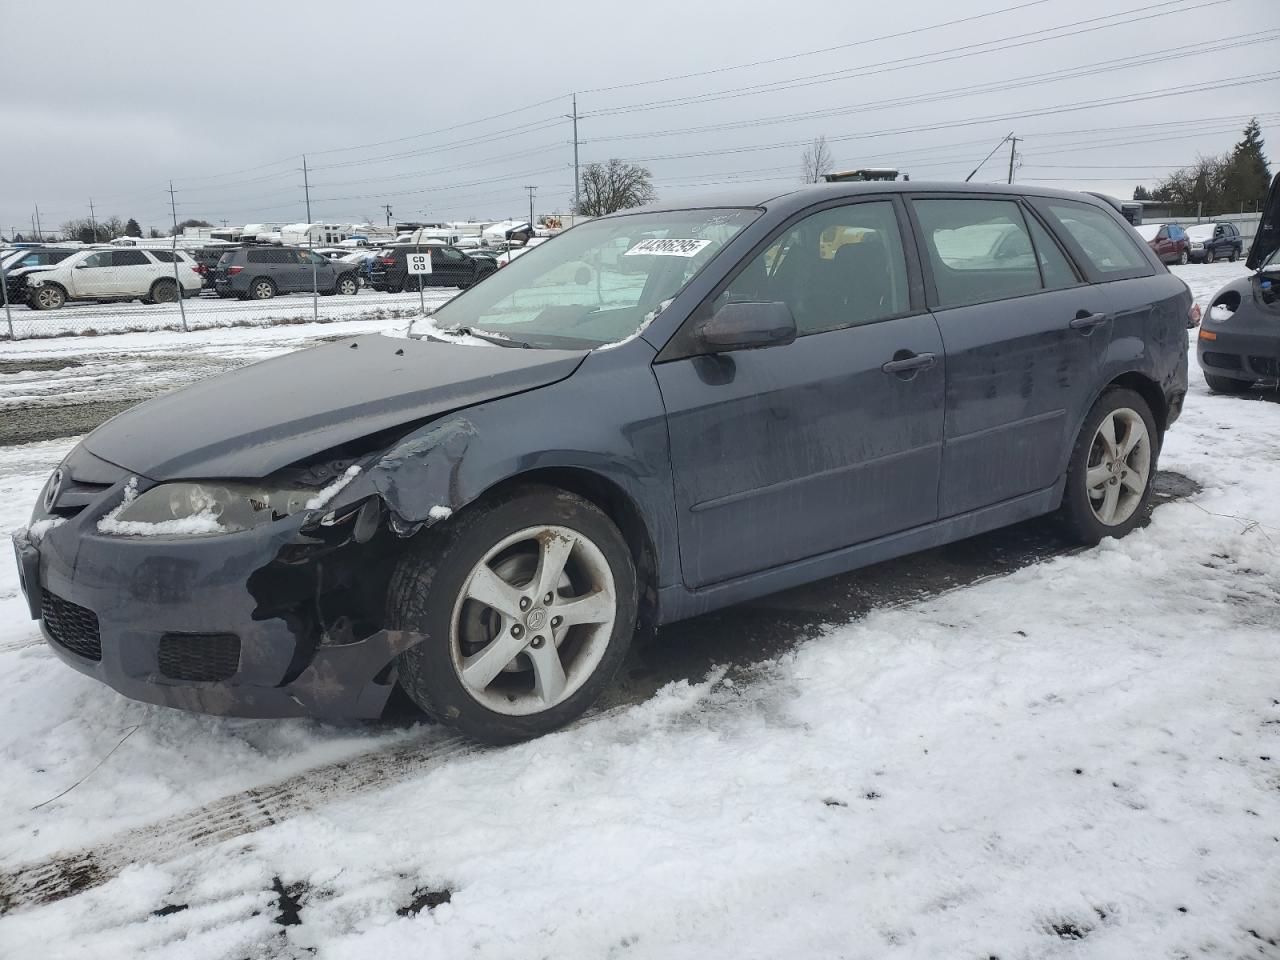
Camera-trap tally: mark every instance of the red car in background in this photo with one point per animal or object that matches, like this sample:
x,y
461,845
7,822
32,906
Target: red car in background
x,y
1168,240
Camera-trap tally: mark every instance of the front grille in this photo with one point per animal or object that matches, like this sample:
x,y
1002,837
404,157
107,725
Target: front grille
x,y
199,656
1225,361
71,626
1265,366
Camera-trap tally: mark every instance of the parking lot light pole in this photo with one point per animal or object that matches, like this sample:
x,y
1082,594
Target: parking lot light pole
x,y
182,308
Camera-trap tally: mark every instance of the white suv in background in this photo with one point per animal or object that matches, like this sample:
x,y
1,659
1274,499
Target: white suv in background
x,y
117,274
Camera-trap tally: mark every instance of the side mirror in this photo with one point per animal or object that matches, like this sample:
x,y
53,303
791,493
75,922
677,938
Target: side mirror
x,y
747,326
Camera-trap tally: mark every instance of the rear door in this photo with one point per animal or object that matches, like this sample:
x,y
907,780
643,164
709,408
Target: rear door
x,y
132,273
792,451
1024,336
451,267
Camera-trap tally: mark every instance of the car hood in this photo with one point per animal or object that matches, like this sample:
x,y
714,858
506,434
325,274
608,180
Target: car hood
x,y
1267,238
253,421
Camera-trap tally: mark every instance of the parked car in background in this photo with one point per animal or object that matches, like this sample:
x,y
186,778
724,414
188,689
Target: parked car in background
x,y
260,273
121,273
1239,341
206,259
1168,240
1215,241
485,524
450,267
17,264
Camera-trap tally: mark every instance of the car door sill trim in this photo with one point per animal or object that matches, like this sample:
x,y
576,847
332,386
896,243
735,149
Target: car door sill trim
x,y
678,602
741,495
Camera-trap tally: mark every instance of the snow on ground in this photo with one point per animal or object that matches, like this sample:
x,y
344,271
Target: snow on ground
x,y
206,312
1079,759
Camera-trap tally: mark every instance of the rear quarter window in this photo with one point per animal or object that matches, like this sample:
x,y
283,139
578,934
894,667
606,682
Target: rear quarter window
x,y
1109,249
164,256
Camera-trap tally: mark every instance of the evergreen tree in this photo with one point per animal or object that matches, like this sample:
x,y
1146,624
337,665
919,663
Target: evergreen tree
x,y
1141,193
131,229
1247,175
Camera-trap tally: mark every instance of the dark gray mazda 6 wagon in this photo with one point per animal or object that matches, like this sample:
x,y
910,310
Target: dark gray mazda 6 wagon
x,y
664,411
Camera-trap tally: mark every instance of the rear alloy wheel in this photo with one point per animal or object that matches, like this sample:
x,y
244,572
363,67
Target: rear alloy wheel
x,y
347,286
1208,256
527,604
262,289
164,291
1227,384
48,296
1112,468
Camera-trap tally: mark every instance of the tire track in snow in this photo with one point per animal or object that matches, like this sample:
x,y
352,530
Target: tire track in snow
x,y
66,875
224,819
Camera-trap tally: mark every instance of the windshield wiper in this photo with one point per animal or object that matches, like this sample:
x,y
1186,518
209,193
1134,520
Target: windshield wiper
x,y
490,338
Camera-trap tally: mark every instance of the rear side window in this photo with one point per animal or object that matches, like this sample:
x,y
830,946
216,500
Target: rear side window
x,y
1108,247
979,250
272,256
129,258
165,256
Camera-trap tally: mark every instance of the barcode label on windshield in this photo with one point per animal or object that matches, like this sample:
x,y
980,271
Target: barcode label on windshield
x,y
667,248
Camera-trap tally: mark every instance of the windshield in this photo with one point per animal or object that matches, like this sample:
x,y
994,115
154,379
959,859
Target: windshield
x,y
1148,231
598,283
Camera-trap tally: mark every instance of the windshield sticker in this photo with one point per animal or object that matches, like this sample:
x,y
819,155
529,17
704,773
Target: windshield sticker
x,y
668,248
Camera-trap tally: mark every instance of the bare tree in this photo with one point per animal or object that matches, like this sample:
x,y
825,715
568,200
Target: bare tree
x,y
816,161
616,185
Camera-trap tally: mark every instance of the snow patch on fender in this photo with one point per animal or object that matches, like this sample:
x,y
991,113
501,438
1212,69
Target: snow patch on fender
x,y
440,513
323,498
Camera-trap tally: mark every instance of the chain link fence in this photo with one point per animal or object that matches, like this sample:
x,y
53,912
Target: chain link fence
x,y
56,289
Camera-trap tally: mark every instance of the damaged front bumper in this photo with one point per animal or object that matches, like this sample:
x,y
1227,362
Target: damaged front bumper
x,y
174,622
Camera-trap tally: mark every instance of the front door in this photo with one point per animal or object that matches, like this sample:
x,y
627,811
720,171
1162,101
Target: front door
x,y
93,276
792,451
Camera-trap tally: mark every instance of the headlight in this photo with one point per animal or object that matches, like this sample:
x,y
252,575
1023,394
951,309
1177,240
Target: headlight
x,y
1197,245
202,509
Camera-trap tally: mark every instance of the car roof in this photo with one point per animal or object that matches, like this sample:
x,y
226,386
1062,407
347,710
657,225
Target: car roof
x,y
801,197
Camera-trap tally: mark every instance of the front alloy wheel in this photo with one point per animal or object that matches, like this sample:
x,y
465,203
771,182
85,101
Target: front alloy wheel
x,y
526,603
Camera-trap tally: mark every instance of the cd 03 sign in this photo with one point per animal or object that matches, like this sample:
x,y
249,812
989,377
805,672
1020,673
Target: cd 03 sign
x,y
420,262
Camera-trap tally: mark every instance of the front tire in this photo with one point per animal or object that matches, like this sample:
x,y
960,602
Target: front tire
x,y
347,285
1184,258
48,296
527,602
1232,255
1227,384
1112,468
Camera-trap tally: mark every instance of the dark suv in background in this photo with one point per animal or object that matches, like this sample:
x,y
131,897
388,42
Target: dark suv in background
x,y
206,259
450,267
260,273
1215,241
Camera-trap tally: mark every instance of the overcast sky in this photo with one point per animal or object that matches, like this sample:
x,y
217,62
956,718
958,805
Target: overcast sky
x,y
225,97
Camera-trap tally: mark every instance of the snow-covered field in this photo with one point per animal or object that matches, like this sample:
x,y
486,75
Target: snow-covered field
x,y
1079,759
211,312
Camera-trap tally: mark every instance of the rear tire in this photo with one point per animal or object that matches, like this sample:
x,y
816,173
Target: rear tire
x,y
1183,258
1227,384
262,289
163,291
1208,256
500,661
1112,468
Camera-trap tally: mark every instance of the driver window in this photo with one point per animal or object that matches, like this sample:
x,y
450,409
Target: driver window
x,y
101,259
837,268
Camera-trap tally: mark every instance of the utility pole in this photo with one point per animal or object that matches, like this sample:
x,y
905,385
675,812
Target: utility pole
x,y
577,180
34,232
1013,149
306,186
531,190
39,232
387,207
173,206
93,221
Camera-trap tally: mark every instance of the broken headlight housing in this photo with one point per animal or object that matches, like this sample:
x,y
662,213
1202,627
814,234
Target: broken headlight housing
x,y
200,509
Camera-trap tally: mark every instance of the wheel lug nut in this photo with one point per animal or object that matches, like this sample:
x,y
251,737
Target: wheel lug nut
x,y
555,621
517,630
548,598
524,603
536,643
